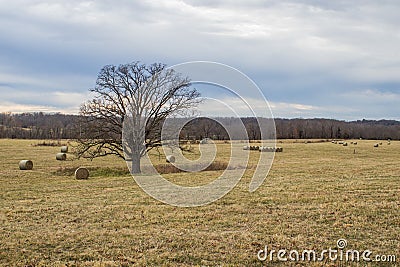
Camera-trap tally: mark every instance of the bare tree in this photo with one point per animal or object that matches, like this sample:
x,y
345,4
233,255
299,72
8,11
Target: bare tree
x,y
135,98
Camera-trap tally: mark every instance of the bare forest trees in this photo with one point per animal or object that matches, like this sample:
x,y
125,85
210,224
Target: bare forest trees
x,y
37,125
62,126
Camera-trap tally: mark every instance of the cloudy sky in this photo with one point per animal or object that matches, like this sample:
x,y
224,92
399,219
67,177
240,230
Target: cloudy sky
x,y
311,58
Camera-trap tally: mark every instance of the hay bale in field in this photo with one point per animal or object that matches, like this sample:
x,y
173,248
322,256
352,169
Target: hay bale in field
x,y
270,149
64,149
205,141
246,148
340,142
170,158
61,156
376,145
25,165
380,143
81,173
354,143
256,148
344,143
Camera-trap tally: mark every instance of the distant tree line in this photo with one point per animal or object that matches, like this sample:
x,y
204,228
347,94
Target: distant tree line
x,y
61,126
300,129
38,126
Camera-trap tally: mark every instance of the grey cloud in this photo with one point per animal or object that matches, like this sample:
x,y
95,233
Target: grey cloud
x,y
303,52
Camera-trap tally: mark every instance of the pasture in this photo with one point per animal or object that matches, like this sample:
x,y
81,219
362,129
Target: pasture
x,y
315,194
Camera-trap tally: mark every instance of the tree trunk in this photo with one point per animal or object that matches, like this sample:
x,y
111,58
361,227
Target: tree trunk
x,y
135,164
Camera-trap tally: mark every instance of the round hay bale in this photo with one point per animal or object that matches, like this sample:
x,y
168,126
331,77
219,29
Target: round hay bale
x,y
246,148
205,141
64,149
270,149
25,165
61,156
376,145
170,158
81,173
345,144
279,149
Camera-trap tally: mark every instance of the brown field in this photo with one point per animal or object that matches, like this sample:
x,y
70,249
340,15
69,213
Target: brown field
x,y
315,194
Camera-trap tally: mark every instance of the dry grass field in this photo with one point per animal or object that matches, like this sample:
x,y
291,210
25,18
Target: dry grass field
x,y
315,194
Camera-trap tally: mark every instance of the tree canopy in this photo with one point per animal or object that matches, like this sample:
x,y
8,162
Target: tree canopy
x,y
143,94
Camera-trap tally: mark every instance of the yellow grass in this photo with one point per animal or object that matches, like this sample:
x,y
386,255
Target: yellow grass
x,y
315,194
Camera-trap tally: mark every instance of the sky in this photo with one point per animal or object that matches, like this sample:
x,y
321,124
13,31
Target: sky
x,y
310,58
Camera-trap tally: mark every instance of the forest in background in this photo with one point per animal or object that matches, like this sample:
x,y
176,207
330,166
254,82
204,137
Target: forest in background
x,y
62,126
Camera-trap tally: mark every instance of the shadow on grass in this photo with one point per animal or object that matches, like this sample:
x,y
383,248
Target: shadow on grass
x,y
121,171
94,171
